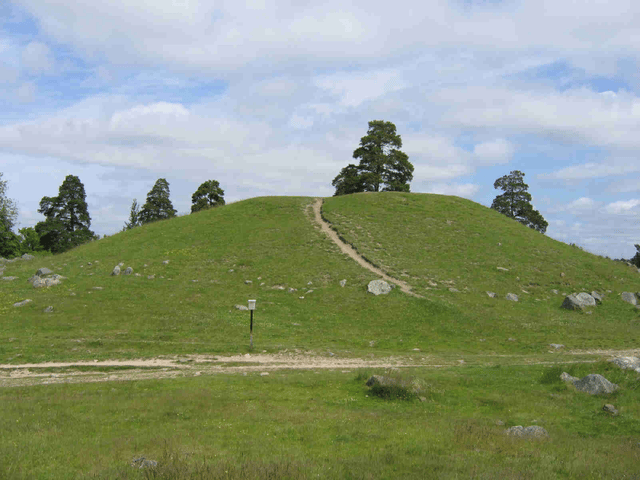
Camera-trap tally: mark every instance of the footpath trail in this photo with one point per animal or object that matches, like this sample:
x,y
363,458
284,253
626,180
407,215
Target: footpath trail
x,y
350,251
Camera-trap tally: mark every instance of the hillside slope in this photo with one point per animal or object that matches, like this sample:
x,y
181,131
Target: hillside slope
x,y
263,247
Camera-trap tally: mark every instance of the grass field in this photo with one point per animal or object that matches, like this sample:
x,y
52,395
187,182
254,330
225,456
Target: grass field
x,y
323,424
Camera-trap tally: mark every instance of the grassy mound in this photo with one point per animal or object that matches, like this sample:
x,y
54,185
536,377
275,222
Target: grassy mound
x,y
271,250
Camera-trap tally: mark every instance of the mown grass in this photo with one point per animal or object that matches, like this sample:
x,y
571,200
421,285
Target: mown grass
x,y
295,424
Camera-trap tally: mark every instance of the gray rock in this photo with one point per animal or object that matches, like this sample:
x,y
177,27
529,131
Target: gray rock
x,y
610,409
533,431
128,271
165,262
343,282
50,282
578,301
33,279
454,290
629,297
556,346
595,384
49,309
378,287
491,294
597,297
116,271
22,303
142,462
121,264
43,271
502,269
565,377
628,363
26,256
8,279
248,282
512,297
242,307
291,290
98,288
554,291
150,277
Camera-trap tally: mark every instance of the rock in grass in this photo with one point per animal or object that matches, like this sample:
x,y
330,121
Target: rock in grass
x,y
628,363
578,301
629,297
556,346
533,431
128,271
597,297
142,462
491,294
565,377
26,256
241,307
116,271
43,271
595,384
343,282
378,287
610,409
49,309
8,279
22,303
512,297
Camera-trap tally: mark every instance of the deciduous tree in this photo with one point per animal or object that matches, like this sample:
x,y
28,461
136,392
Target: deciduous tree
x,y
516,201
67,217
134,216
208,195
9,242
158,205
382,167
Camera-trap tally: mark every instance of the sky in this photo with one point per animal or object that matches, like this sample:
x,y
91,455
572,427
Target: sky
x,y
271,97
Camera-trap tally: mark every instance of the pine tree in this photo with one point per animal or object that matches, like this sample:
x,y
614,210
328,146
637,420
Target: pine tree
x,y
382,167
516,201
208,195
134,216
67,217
158,205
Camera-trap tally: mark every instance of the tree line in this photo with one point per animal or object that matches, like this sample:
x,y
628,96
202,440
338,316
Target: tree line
x,y
67,221
382,166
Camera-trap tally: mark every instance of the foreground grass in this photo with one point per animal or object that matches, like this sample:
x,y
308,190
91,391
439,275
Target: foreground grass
x,y
294,424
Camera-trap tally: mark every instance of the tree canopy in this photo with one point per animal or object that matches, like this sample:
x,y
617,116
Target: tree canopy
x,y
9,242
67,217
382,167
208,195
158,205
516,201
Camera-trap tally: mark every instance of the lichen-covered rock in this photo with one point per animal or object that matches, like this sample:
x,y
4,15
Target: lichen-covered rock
x,y
8,279
43,271
49,309
628,363
610,409
491,294
595,384
597,297
565,377
343,282
629,297
26,256
128,271
378,287
512,297
578,301
116,271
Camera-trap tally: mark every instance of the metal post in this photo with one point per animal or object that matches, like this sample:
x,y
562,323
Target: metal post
x,y
251,332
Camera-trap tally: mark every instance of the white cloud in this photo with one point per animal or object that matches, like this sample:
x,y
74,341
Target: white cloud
x,y
624,207
37,59
494,152
581,204
594,170
466,190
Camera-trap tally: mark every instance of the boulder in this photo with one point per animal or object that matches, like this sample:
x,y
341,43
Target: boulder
x,y
49,282
595,384
628,363
43,271
565,377
610,409
629,297
26,256
578,301
22,303
597,297
116,271
378,287
33,279
533,431
128,271
512,297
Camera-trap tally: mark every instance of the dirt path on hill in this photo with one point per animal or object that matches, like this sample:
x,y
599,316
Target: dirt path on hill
x,y
348,249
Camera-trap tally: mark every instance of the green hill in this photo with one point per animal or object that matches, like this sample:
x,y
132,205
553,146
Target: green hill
x,y
433,242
